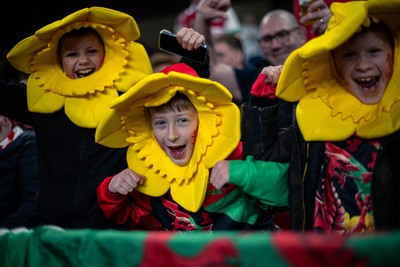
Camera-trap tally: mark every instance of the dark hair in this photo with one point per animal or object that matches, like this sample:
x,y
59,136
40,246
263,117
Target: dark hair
x,y
179,102
77,33
231,40
379,28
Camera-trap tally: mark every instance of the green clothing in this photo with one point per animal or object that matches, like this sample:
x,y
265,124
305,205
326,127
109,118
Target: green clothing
x,y
269,190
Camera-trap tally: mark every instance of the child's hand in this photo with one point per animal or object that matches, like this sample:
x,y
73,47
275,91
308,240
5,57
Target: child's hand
x,y
220,174
125,181
190,39
265,85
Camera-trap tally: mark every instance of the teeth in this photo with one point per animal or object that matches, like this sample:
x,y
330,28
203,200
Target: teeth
x,y
83,71
368,79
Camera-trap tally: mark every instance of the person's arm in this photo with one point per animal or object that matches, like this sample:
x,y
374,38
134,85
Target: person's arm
x,y
264,182
125,205
222,73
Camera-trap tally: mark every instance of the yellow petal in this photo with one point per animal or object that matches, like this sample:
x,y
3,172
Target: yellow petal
x,y
43,101
21,55
138,66
155,185
191,195
210,90
315,125
87,111
387,122
229,134
111,134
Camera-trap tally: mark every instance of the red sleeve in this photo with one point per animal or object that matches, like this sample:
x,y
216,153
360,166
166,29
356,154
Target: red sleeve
x,y
237,153
134,208
261,88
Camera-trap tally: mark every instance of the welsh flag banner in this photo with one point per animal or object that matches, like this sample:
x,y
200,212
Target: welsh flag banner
x,y
51,246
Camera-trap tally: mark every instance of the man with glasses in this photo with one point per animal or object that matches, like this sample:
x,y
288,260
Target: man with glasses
x,y
279,35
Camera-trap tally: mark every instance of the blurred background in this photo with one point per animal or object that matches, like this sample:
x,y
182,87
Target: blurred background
x,y
21,19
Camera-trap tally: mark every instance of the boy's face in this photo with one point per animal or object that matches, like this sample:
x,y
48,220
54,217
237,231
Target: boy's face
x,y
176,133
81,56
365,65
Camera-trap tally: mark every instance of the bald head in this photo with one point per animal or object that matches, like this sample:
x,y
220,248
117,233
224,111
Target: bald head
x,y
280,15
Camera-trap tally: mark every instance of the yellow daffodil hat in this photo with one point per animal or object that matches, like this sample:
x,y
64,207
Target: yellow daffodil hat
x,y
326,110
85,99
126,124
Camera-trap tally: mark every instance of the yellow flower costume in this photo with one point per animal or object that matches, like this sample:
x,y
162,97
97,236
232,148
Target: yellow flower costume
x,y
85,99
326,110
218,135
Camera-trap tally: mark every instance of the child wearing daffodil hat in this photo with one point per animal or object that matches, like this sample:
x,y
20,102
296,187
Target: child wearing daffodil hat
x,y
344,145
76,66
180,128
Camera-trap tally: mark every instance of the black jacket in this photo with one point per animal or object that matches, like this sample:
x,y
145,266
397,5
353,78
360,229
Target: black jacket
x,y
19,183
71,163
262,138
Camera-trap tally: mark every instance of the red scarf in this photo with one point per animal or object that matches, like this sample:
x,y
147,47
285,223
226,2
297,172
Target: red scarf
x,y
17,131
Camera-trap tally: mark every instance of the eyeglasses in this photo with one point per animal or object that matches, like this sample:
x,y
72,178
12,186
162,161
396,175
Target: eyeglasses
x,y
281,37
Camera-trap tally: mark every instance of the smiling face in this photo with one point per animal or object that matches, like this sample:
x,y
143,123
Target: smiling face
x,y
364,65
175,128
279,35
81,54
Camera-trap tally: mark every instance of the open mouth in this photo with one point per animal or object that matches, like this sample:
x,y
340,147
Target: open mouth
x,y
84,73
177,151
368,84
